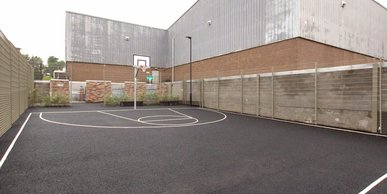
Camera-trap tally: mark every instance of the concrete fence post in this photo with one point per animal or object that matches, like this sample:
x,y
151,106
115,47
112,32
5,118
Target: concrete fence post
x,y
374,102
272,92
241,94
217,91
380,97
315,94
184,92
202,93
258,96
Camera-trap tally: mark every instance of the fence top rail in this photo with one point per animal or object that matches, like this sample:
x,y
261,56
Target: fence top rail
x,y
41,81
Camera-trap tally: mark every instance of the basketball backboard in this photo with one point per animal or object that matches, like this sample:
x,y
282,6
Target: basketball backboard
x,y
141,62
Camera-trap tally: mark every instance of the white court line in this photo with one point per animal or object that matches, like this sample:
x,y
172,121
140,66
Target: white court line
x,y
118,116
14,141
162,120
114,110
177,112
177,117
372,185
140,127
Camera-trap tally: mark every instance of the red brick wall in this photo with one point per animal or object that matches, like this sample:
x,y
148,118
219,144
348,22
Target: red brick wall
x,y
97,90
115,73
129,89
293,54
59,87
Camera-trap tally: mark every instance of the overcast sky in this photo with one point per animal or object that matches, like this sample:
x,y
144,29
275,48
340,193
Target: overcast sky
x,y
38,26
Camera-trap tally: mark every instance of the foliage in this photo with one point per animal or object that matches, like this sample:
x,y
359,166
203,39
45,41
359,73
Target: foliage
x,y
37,64
56,99
142,96
53,64
33,97
114,100
47,77
166,97
151,97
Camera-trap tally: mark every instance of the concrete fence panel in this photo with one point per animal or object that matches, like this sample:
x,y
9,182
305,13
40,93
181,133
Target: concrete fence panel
x,y
210,90
266,96
294,97
344,99
230,94
249,101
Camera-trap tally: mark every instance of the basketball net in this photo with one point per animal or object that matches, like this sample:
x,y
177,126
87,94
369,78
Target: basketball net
x,y
142,67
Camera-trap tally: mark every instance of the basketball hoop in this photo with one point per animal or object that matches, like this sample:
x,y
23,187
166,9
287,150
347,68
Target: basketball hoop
x,y
143,68
143,63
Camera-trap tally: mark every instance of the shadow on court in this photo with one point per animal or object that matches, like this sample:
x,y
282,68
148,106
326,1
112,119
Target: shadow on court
x,y
95,149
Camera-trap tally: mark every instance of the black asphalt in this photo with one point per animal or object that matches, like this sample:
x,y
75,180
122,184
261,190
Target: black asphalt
x,y
240,154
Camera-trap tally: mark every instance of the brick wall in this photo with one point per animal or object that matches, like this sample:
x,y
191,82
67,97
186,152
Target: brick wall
x,y
129,89
59,87
116,73
97,90
292,54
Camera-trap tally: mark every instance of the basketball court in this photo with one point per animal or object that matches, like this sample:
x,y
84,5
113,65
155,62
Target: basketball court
x,y
89,148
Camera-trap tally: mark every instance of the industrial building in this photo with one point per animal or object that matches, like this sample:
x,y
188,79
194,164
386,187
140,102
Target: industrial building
x,y
308,61
229,37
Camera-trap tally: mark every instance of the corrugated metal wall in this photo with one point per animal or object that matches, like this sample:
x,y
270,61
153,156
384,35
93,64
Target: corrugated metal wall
x,y
98,40
235,25
16,80
360,26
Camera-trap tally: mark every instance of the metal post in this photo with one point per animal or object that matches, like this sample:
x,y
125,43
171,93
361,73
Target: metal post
x,y
258,96
135,88
190,69
71,77
104,82
173,65
315,93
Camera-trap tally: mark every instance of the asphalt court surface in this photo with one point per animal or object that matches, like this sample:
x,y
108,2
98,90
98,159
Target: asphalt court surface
x,y
95,149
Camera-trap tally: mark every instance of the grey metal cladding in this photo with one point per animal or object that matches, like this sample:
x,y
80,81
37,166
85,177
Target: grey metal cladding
x,y
235,25
360,26
98,40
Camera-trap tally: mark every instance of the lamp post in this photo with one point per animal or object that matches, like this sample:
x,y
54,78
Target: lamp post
x,y
190,69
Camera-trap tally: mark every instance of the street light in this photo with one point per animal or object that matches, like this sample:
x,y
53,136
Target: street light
x,y
190,69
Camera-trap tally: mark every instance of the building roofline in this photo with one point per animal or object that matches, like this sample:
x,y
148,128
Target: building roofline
x,y
71,12
183,15
380,4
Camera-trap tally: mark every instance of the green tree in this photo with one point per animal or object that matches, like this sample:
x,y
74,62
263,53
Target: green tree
x,y
37,64
53,64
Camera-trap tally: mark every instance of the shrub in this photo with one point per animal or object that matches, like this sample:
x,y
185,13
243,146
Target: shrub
x,y
151,97
167,97
55,100
142,96
114,100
